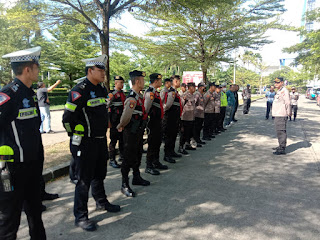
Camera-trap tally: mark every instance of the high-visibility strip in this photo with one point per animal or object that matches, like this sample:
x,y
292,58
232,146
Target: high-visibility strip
x,y
70,106
88,122
27,113
68,127
156,104
16,137
96,102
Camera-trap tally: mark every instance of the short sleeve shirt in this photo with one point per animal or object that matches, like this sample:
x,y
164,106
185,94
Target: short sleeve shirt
x,y
42,95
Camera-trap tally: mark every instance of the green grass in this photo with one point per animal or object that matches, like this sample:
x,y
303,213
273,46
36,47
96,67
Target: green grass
x,y
57,107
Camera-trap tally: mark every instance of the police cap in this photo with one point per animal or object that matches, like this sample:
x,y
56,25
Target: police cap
x,y
118,78
137,73
155,76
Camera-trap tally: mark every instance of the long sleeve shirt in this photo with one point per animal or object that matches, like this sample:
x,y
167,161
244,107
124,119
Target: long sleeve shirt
x,y
281,105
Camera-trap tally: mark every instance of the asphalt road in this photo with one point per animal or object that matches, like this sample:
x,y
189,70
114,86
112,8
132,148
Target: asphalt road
x,y
233,188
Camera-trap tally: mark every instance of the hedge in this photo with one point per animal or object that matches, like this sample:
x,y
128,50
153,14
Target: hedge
x,y
58,100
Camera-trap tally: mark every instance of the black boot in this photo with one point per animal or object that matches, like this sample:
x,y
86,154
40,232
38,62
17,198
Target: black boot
x,y
125,188
87,225
138,180
49,196
169,159
158,165
108,206
113,163
182,151
151,170
189,147
280,151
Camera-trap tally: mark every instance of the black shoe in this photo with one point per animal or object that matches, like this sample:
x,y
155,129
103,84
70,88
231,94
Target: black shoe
x,y
280,152
144,151
183,151
212,136
74,181
87,225
138,180
199,145
206,138
114,164
217,132
126,190
188,147
235,120
267,118
275,148
120,159
152,171
201,142
108,206
160,166
175,155
169,160
49,196
43,208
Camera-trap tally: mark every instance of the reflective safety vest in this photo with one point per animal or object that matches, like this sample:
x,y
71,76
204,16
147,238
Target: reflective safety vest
x,y
224,100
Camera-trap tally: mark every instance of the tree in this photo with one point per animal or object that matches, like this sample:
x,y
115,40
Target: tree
x,y
206,31
95,14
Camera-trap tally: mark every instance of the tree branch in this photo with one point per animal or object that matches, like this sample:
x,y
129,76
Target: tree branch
x,y
123,6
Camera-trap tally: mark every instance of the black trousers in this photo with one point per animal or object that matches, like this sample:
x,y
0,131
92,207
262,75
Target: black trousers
x,y
26,179
171,123
215,122
295,111
208,124
221,117
280,126
133,146
269,107
154,141
198,125
90,160
115,136
186,132
235,110
246,105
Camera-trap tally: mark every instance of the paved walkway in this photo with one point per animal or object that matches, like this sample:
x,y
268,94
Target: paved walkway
x,y
233,188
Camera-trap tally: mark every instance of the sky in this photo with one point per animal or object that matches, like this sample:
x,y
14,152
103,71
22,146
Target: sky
x,y
271,53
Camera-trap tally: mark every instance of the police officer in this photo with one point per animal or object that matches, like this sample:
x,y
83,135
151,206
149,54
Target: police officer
x,y
183,90
217,103
208,113
153,106
246,95
116,101
187,119
163,96
281,109
173,109
132,123
199,112
86,121
294,97
21,150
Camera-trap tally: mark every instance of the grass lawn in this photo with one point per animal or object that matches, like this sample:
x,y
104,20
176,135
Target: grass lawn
x,y
57,107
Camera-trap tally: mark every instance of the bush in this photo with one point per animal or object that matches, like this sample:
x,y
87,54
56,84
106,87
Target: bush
x,y
58,100
253,91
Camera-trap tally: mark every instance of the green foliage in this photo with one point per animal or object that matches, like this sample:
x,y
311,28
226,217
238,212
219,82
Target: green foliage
x,y
58,100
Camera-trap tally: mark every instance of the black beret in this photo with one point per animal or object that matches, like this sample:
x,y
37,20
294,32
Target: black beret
x,y
212,84
118,78
278,79
137,73
155,76
167,80
183,85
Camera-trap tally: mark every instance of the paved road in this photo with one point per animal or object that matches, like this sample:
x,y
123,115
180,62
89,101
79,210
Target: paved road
x,y
233,188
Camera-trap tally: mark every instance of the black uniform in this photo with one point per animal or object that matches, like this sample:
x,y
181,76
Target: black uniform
x,y
19,130
172,119
86,106
154,127
133,136
116,108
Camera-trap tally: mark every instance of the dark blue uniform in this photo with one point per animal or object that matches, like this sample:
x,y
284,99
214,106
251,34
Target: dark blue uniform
x,y
86,106
19,130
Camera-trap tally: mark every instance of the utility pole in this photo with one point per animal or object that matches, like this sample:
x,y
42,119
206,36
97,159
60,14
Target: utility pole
x,y
234,67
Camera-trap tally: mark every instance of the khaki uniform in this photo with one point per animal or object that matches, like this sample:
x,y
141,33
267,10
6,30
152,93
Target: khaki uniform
x,y
187,118
199,115
209,107
163,93
216,115
294,97
281,109
246,95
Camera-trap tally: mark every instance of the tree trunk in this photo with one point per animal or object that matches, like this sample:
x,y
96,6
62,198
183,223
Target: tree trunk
x,y
204,72
104,39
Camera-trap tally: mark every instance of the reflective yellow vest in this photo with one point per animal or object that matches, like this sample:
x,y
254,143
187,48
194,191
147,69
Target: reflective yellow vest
x,y
224,101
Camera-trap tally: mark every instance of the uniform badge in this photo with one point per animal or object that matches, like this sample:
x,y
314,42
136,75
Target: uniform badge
x,y
93,94
3,98
15,87
110,95
132,102
82,86
75,95
151,96
25,103
173,94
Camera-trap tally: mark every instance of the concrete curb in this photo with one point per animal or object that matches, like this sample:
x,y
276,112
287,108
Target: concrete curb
x,y
62,169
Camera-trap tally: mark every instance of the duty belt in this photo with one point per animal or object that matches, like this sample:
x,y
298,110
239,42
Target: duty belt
x,y
156,105
176,104
137,112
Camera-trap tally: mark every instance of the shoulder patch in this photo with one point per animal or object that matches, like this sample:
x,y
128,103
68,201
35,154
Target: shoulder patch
x,y
15,87
132,102
75,95
82,86
3,98
151,95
